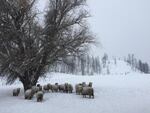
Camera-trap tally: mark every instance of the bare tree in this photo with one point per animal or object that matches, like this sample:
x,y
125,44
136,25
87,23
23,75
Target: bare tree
x,y
27,49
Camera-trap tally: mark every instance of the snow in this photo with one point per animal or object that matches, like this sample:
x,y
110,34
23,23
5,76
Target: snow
x,y
121,67
113,94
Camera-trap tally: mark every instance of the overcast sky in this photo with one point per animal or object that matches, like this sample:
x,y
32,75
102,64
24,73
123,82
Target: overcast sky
x,y
122,26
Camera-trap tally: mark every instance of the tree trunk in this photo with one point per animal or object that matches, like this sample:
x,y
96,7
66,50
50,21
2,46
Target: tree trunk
x,y
29,79
27,86
27,83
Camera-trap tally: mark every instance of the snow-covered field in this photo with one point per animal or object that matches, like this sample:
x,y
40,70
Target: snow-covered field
x,y
113,94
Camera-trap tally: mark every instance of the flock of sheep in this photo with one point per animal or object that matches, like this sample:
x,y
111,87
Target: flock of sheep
x,y
81,89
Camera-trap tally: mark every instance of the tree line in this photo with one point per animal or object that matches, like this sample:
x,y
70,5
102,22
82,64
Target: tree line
x,y
137,64
90,65
84,65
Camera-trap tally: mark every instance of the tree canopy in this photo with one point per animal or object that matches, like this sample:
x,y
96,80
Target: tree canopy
x,y
27,49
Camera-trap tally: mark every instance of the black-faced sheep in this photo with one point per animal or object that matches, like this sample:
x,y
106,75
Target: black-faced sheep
x,y
66,88
45,88
62,88
88,91
69,88
90,84
49,86
40,88
79,88
55,88
29,94
56,83
35,89
39,96
16,92
38,85
84,84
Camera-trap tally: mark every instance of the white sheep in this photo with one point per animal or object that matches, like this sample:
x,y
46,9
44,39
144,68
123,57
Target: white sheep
x,y
35,89
39,96
29,94
45,88
49,86
62,88
79,88
55,88
69,88
66,88
88,91
16,91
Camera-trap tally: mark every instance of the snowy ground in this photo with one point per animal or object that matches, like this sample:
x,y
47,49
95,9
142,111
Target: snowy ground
x,y
113,94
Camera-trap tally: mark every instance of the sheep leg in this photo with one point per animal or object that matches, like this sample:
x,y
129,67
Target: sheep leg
x,y
93,96
30,97
39,99
84,96
89,96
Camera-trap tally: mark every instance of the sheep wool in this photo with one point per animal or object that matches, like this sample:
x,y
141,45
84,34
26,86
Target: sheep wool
x,y
16,92
39,96
88,91
29,94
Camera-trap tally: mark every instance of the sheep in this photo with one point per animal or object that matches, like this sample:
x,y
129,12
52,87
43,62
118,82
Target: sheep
x,y
69,88
39,96
90,84
40,88
79,88
45,88
62,88
55,88
35,89
16,92
76,88
56,83
88,91
29,94
66,88
84,84
49,86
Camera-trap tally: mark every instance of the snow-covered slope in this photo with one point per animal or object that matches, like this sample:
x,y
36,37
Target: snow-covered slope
x,y
113,94
118,67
